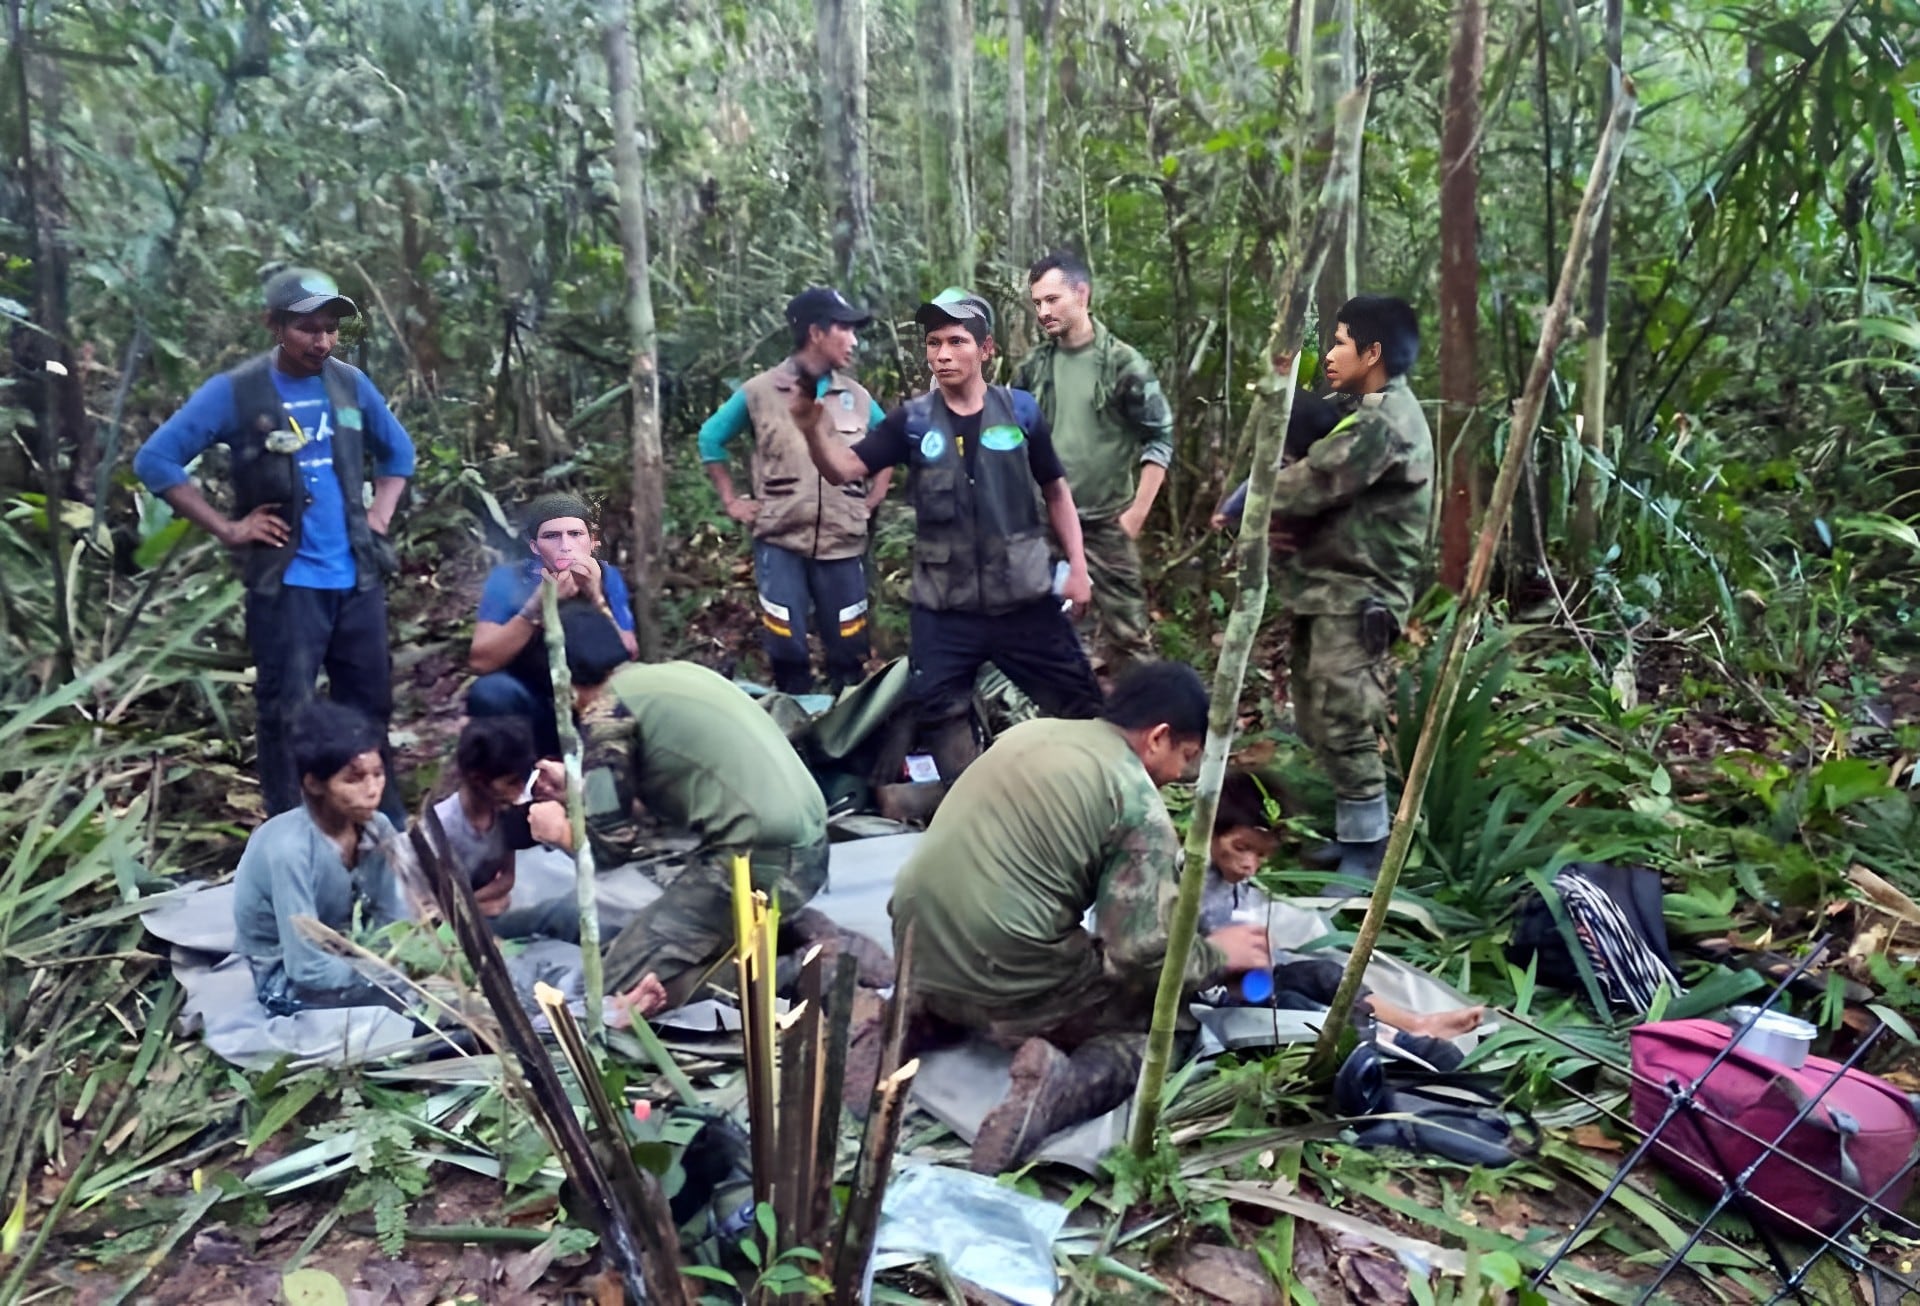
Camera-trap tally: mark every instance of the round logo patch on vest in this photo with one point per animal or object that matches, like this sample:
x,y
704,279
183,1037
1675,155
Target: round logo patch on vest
x,y
932,445
1002,438
846,400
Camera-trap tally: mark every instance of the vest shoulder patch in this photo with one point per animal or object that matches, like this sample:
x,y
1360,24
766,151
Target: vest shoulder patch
x,y
349,418
1002,438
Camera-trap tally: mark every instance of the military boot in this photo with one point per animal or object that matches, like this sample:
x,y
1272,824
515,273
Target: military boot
x,y
1052,1091
1360,830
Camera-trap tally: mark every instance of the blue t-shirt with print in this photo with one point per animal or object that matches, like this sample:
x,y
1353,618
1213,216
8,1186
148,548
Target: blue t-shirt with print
x,y
324,559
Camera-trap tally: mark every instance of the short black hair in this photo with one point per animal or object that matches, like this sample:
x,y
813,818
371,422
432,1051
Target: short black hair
x,y
1159,693
1243,805
593,645
327,736
1064,261
1385,321
1311,421
496,747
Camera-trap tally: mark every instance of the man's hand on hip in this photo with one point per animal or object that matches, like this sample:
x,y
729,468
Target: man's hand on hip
x,y
261,526
1133,521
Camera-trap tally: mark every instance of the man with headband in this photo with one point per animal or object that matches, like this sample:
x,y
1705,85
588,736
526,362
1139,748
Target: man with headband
x,y
509,651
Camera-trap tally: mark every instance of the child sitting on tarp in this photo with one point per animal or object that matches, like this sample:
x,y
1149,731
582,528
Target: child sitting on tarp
x,y
325,859
486,824
488,819
1244,837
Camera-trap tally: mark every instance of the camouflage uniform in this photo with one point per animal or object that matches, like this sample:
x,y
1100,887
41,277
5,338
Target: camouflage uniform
x,y
1056,817
697,754
1368,488
1129,423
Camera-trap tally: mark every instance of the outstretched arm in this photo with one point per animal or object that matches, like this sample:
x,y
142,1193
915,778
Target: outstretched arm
x,y
836,460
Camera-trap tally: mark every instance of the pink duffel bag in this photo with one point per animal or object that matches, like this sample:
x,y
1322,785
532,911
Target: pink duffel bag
x,y
1862,1133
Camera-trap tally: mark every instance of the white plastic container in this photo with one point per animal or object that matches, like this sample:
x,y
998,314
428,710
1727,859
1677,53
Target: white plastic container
x,y
1775,1035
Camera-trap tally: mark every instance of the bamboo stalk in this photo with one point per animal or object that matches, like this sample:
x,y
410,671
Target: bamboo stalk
x,y
896,1033
1268,420
1473,599
649,1274
753,949
594,979
640,1189
839,1021
861,1223
801,1118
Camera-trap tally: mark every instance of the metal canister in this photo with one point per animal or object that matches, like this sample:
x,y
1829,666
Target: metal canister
x,y
1772,1034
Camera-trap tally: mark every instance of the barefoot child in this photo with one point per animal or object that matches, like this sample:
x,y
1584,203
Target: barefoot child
x,y
1243,839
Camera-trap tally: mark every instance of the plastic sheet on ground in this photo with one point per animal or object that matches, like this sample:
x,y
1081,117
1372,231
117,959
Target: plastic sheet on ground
x,y
990,1236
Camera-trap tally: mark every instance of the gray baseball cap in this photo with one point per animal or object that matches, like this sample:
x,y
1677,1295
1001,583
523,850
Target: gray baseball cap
x,y
954,305
303,290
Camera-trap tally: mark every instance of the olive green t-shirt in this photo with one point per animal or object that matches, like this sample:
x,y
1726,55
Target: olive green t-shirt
x,y
1101,455
698,754
1055,818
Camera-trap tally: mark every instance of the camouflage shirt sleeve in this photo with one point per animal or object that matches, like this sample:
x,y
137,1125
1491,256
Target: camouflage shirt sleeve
x,y
1138,887
611,751
1337,469
1145,405
1024,373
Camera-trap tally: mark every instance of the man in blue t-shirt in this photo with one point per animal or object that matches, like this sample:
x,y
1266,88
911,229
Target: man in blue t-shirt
x,y
509,651
304,432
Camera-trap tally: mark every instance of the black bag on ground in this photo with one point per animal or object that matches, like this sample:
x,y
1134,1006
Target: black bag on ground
x,y
1597,925
1441,1113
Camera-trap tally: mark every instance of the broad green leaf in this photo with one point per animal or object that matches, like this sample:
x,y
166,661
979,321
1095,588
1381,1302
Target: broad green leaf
x,y
312,1288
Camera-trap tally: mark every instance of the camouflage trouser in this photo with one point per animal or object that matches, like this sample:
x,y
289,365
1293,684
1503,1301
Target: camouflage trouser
x,y
690,925
1339,693
1119,596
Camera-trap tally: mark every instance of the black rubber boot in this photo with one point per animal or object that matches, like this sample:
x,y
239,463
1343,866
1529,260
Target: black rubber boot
x,y
1322,856
1360,862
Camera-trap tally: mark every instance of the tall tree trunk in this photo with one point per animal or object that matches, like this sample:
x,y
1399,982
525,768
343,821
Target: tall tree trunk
x,y
643,397
840,36
1335,68
1019,179
1460,286
1593,416
49,382
944,53
1272,406
1043,95
1473,598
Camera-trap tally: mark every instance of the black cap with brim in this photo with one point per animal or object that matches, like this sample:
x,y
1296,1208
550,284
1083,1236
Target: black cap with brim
x,y
817,304
303,290
954,305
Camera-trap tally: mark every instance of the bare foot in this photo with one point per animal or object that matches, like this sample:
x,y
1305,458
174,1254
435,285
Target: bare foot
x,y
1446,1024
647,998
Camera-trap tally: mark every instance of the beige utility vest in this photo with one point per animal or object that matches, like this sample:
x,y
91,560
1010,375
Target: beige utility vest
x,y
799,509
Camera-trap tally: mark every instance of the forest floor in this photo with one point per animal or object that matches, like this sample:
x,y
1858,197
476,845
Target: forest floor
x,y
165,1216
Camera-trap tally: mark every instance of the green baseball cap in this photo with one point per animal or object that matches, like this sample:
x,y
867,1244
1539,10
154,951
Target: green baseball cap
x,y
954,305
303,290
